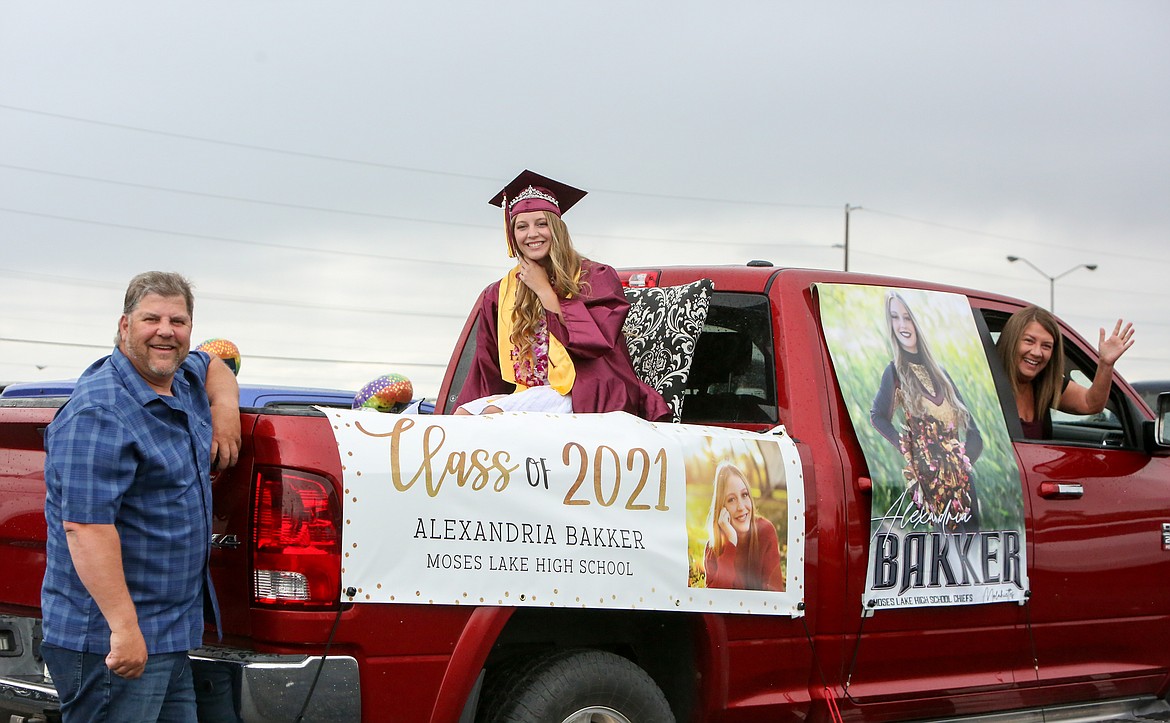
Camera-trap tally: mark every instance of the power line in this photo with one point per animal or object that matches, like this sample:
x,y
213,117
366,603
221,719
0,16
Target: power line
x,y
452,174
904,260
245,242
248,146
238,299
226,197
614,237
315,360
387,166
1014,239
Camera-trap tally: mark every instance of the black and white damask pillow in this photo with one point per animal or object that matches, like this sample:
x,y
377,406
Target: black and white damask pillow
x,y
661,330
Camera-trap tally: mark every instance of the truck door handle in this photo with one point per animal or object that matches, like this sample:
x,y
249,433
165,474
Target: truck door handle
x,y
1061,490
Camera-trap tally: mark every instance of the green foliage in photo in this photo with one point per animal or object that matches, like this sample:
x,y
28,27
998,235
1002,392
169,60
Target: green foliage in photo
x,y
857,333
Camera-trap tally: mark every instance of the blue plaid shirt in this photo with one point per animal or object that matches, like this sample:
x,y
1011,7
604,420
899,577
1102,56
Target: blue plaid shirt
x,y
119,453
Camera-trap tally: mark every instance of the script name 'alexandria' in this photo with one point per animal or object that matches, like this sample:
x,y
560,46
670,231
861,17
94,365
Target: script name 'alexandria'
x,y
526,532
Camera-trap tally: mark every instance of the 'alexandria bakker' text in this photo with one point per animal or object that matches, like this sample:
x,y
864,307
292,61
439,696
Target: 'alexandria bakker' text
x,y
579,536
526,533
921,560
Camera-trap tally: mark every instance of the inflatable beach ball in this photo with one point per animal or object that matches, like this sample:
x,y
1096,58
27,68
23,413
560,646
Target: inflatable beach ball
x,y
387,393
225,350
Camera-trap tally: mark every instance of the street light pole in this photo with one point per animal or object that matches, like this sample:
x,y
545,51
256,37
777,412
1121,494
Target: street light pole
x,y
848,208
1052,279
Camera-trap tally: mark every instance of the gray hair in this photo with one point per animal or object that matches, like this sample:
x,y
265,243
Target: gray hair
x,y
163,283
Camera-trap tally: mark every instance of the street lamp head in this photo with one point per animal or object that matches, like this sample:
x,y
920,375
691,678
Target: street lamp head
x,y
1013,259
1091,267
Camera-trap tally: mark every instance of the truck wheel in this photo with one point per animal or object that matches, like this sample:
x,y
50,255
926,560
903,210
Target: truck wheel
x,y
575,686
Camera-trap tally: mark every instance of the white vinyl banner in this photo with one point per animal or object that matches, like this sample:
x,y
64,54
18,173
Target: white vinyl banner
x,y
581,510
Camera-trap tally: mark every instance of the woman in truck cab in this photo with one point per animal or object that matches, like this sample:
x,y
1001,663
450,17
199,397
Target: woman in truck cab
x,y
549,335
743,551
938,438
1032,350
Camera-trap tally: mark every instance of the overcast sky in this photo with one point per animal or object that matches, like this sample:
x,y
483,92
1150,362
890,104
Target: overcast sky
x,y
321,170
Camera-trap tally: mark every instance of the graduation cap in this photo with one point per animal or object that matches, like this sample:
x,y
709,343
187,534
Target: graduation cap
x,y
533,192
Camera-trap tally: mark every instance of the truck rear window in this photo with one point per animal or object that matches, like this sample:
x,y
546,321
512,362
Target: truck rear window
x,y
732,377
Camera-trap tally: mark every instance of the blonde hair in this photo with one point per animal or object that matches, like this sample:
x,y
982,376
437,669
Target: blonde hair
x,y
1046,387
912,400
563,265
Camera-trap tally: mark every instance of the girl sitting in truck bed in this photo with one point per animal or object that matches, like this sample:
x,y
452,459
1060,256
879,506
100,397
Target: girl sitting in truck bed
x,y
549,333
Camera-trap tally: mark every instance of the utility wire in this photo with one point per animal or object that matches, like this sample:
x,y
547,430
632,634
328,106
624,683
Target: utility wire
x,y
412,169
248,146
1014,239
226,197
238,299
332,251
453,174
496,228
249,356
387,166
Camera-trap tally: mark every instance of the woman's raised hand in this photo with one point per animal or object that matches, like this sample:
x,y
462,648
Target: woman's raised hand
x,y
1110,349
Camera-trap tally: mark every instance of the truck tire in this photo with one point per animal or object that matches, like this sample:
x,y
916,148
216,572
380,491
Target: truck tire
x,y
575,686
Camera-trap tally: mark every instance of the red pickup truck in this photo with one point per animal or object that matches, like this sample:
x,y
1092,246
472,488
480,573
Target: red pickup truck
x,y
1089,637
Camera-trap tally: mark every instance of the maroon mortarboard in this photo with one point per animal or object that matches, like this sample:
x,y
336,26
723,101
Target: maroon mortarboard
x,y
533,192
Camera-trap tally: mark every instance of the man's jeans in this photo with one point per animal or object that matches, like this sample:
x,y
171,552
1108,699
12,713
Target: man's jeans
x,y
89,691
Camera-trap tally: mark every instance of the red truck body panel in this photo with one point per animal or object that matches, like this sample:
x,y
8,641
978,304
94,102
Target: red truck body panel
x,y
1096,626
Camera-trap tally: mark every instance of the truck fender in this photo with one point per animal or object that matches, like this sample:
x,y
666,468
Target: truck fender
x,y
467,660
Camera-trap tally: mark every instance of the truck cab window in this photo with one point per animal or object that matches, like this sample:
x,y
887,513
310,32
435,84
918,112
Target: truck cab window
x,y
1107,428
732,379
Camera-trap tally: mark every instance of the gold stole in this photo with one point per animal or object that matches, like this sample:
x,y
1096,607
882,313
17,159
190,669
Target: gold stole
x,y
561,373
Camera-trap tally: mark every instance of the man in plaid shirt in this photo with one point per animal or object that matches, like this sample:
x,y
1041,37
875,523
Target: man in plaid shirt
x,y
128,507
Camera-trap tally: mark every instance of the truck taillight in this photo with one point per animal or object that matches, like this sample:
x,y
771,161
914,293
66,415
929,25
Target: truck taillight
x,y
641,280
296,552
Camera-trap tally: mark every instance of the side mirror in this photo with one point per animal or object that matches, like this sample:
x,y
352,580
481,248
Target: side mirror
x,y
1162,420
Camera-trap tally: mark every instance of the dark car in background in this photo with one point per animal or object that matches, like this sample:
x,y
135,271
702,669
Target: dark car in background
x,y
1150,389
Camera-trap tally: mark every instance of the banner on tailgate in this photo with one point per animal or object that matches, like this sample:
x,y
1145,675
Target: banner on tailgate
x,y
947,519
577,510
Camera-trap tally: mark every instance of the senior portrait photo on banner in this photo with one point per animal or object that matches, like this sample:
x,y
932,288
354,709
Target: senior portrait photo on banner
x,y
947,518
737,515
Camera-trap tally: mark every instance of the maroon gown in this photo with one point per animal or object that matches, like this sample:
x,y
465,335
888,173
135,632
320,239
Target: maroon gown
x,y
591,333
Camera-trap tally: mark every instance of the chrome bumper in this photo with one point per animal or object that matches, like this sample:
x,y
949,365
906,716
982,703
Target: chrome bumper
x,y
230,685
270,688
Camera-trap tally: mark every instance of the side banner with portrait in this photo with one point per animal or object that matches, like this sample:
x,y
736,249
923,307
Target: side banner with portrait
x,y
947,517
578,510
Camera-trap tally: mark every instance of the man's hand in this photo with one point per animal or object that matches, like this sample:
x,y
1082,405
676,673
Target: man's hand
x,y
97,556
225,435
127,656
224,395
